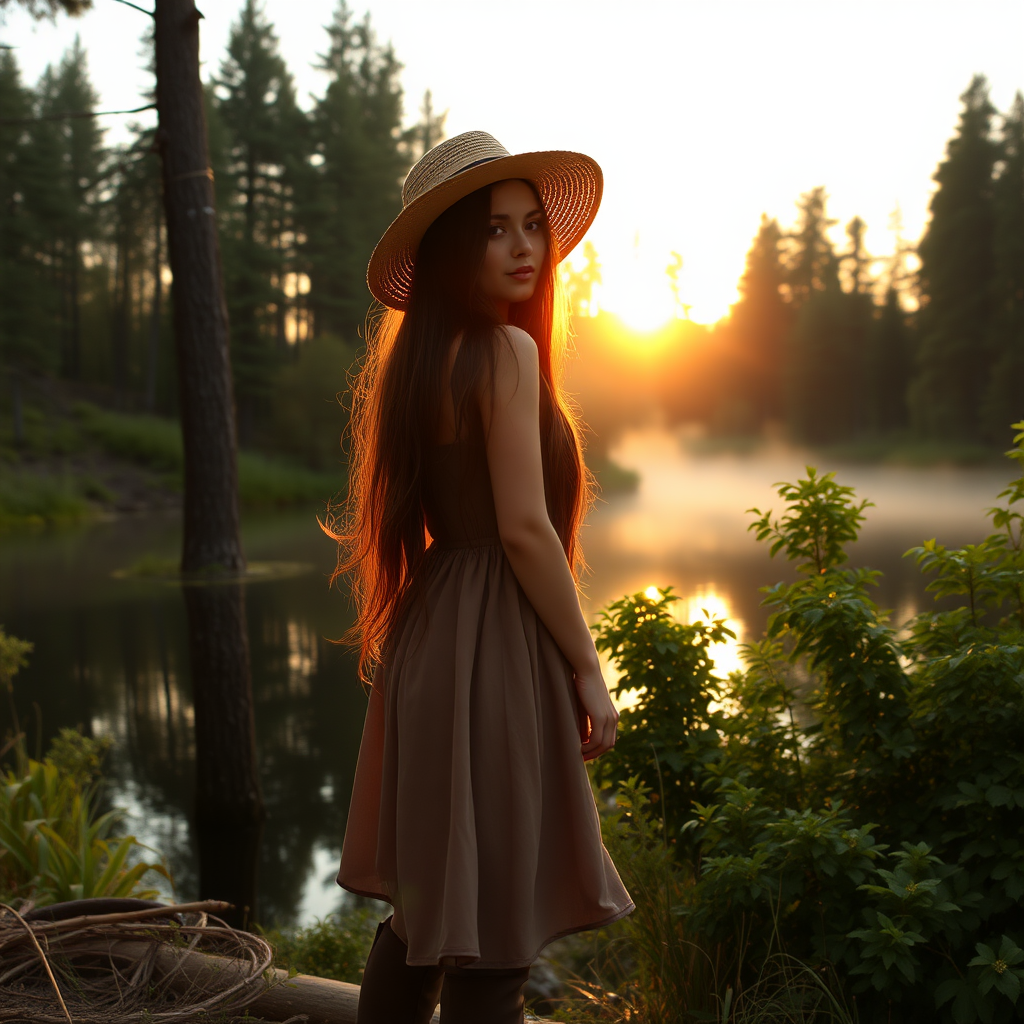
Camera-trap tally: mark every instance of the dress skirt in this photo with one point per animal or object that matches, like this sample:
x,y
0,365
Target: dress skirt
x,y
472,808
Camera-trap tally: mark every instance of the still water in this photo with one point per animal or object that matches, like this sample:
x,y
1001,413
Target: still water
x,y
110,653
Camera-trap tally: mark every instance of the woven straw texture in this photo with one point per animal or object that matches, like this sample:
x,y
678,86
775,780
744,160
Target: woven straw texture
x,y
569,185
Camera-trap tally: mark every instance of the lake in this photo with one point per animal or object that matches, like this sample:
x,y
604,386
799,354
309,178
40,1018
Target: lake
x,y
110,653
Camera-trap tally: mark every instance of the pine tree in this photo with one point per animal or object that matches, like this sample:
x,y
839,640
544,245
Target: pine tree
x,y
23,348
887,364
823,372
1005,399
352,189
83,162
824,367
428,132
134,213
48,8
65,158
759,323
811,261
954,364
262,140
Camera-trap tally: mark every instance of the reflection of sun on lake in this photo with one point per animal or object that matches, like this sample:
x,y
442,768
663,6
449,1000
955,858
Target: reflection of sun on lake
x,y
702,604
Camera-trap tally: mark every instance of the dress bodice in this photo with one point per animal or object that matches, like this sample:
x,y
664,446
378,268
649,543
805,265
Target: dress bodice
x,y
457,499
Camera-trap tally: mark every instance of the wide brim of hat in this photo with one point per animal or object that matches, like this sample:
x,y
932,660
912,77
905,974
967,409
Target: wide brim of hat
x,y
569,185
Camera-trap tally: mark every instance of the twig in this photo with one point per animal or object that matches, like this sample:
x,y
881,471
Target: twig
x,y
129,915
72,114
128,3
42,957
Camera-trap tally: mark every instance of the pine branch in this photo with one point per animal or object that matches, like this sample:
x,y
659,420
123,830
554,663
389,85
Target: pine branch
x,y
74,114
128,3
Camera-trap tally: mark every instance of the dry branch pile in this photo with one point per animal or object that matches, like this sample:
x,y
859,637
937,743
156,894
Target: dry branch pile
x,y
161,964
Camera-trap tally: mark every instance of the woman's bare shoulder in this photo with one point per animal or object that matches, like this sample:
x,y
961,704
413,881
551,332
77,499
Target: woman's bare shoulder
x,y
516,371
520,339
520,350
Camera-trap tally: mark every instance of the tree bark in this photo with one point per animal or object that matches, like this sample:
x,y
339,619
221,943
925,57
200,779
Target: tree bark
x,y
200,315
228,798
17,414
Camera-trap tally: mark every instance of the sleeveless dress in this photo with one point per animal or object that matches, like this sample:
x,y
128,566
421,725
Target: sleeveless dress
x,y
471,806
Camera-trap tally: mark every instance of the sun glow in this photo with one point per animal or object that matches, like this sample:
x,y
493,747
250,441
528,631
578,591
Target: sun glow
x,y
641,287
702,605
645,305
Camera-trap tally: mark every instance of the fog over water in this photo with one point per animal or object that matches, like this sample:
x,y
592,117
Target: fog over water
x,y
111,653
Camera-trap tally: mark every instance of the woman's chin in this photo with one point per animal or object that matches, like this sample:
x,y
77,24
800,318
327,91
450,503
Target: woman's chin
x,y
521,292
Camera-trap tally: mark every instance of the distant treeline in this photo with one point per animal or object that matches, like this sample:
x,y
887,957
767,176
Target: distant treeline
x,y
837,345
833,345
302,196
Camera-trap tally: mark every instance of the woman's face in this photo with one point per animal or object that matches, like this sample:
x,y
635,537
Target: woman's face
x,y
516,245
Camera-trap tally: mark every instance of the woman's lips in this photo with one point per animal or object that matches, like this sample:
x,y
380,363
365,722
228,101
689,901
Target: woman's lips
x,y
522,273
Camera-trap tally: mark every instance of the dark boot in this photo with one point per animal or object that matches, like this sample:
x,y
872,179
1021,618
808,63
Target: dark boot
x,y
392,992
483,996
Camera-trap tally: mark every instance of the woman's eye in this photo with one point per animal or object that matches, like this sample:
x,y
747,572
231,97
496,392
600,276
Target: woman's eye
x,y
533,225
495,229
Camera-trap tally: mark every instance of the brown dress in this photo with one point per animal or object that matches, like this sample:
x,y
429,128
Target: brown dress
x,y
471,807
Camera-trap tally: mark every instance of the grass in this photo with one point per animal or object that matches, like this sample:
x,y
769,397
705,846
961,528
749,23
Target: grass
x,y
36,499
263,481
155,443
149,441
335,947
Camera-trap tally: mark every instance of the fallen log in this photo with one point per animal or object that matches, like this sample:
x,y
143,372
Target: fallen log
x,y
153,950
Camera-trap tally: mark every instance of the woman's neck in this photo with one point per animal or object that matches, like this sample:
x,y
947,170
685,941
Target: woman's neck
x,y
501,308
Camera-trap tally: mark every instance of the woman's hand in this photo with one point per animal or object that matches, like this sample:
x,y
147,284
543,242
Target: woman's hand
x,y
600,719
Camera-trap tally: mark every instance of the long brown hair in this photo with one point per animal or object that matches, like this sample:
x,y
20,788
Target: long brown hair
x,y
396,414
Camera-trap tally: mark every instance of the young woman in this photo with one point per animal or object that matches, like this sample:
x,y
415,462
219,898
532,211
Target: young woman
x,y
471,812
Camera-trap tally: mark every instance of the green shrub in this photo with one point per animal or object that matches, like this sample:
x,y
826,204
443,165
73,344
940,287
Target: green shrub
x,y
856,793
78,757
308,415
33,499
54,843
54,846
335,947
263,481
156,443
146,440
656,966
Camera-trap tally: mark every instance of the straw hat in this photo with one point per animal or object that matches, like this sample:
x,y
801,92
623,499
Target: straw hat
x,y
569,186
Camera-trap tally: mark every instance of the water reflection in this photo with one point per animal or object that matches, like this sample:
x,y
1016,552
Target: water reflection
x,y
111,654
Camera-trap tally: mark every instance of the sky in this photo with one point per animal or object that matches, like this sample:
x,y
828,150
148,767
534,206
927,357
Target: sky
x,y
702,113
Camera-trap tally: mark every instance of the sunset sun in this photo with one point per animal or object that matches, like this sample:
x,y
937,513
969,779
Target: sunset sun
x,y
643,304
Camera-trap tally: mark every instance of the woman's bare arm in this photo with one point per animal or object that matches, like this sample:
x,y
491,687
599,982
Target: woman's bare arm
x,y
527,535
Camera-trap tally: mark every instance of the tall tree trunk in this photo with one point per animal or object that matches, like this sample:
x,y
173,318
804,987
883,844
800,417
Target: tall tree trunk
x,y
17,414
154,321
228,799
120,325
76,314
200,314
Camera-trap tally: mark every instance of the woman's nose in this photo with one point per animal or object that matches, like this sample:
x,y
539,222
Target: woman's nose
x,y
522,246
